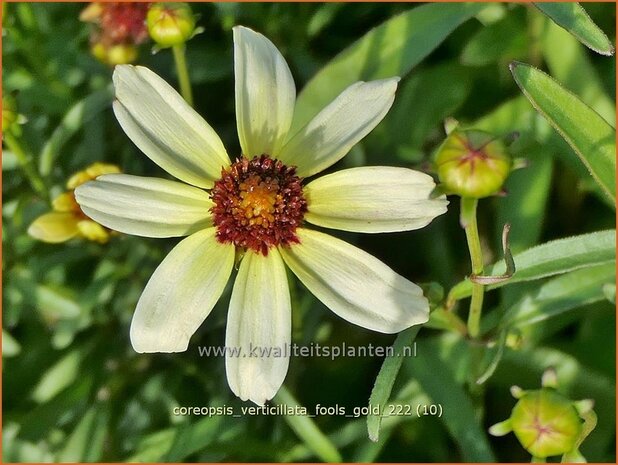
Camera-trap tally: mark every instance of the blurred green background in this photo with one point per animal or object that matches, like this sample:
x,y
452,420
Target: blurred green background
x,y
74,389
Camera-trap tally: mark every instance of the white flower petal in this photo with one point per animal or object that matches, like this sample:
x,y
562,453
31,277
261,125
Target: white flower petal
x,y
373,199
259,317
265,93
181,293
355,285
150,207
337,128
166,128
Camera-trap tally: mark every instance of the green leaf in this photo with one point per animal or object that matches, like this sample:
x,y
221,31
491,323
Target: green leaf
x,y
61,374
565,293
79,114
525,205
458,413
177,443
391,49
589,135
54,304
307,430
503,40
86,441
572,17
355,431
10,347
551,258
422,103
385,380
569,62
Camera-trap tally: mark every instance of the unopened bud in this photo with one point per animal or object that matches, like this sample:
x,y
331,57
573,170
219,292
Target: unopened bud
x,y
170,24
546,423
472,164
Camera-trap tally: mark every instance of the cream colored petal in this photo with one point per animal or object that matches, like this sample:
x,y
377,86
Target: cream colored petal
x,y
149,207
373,199
181,293
166,128
259,325
265,93
355,285
54,227
337,128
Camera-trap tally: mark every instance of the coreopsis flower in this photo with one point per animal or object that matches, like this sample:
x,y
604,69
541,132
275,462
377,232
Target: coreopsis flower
x,y
258,205
119,28
67,220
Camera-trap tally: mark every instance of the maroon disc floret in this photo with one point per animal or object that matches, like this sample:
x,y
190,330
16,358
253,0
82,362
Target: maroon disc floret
x,y
259,203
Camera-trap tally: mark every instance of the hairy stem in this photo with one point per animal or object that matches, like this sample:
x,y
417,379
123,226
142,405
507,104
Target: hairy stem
x,y
468,221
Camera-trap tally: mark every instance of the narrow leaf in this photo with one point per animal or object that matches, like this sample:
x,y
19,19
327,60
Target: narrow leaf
x,y
307,430
391,49
569,62
551,258
589,135
386,379
572,17
177,443
79,114
10,347
458,414
565,293
86,441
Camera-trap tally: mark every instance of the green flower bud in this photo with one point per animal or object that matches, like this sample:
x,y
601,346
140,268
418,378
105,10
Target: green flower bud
x,y
472,164
170,24
546,423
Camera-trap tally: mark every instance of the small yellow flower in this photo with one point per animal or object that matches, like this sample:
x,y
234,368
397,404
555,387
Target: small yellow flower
x,y
67,220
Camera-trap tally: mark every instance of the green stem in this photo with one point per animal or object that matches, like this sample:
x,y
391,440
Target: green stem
x,y
468,221
183,72
25,161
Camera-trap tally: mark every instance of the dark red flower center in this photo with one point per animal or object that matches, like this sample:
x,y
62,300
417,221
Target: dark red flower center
x,y
259,203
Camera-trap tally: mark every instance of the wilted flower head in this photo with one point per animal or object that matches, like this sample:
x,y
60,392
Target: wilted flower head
x,y
67,220
258,205
119,27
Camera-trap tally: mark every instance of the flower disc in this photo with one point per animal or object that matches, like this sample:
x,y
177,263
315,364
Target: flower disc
x,y
259,203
